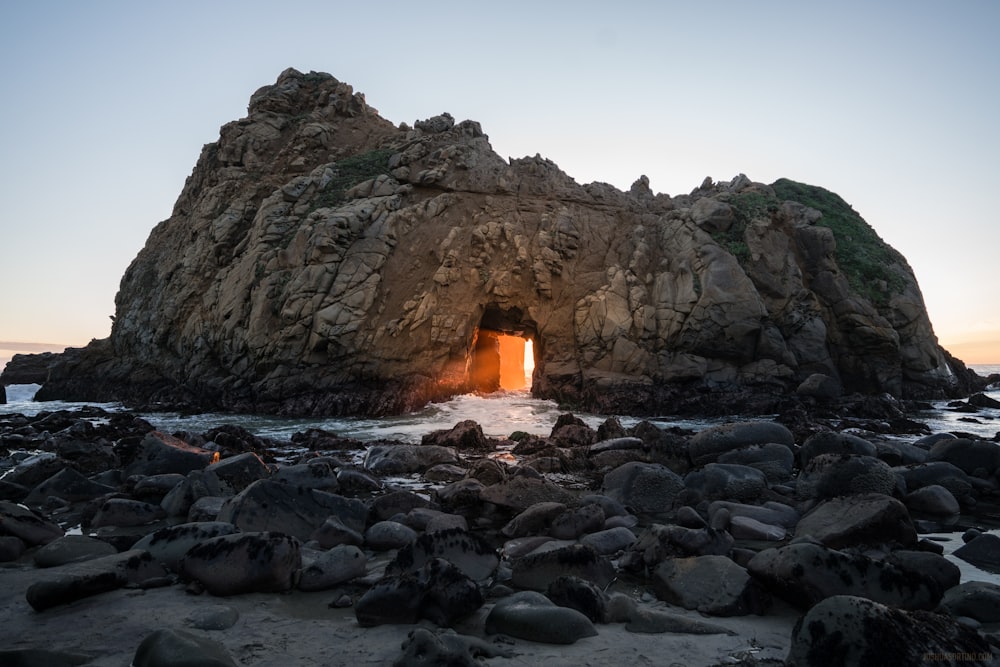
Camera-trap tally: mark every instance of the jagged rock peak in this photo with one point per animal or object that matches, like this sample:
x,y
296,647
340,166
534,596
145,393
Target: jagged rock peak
x,y
321,259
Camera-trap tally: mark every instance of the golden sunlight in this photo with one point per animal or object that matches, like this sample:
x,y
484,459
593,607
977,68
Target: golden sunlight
x,y
513,362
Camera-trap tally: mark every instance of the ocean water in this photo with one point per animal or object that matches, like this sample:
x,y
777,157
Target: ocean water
x,y
499,414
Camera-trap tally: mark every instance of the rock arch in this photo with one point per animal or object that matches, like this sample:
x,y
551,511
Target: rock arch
x,y
496,355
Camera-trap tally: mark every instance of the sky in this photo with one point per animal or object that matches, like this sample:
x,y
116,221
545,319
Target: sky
x,y
892,105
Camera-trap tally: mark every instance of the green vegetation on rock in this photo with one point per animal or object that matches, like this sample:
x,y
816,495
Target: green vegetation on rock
x,y
861,254
747,207
351,171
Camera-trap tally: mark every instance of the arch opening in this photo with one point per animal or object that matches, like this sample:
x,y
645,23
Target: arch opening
x,y
503,354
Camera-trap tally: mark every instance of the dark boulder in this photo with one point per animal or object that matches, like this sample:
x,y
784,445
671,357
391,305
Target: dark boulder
x,y
708,444
293,510
645,488
437,591
464,436
831,442
466,551
983,551
713,585
30,526
832,475
532,616
179,648
724,481
99,575
804,573
258,562
977,458
865,519
846,630
160,453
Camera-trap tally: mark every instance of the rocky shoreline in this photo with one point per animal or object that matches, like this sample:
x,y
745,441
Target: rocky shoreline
x,y
797,540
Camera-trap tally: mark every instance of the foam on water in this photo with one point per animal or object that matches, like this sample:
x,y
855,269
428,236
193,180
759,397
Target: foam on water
x,y
499,415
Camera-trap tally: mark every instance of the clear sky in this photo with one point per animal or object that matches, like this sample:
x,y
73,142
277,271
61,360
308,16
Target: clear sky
x,y
893,105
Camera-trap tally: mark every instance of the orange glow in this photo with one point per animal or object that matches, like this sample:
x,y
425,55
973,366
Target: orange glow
x,y
529,359
512,362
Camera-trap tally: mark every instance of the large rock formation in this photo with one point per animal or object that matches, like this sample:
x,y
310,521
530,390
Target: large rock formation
x,y
322,260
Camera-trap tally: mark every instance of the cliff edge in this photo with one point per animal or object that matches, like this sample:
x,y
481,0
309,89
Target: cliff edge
x,y
322,260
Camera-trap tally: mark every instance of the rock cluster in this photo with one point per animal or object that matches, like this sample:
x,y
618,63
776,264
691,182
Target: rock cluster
x,y
322,260
504,547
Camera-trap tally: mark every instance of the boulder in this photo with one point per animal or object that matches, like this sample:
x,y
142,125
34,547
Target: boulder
x,y
250,562
179,648
423,648
466,551
832,475
725,481
68,485
519,493
11,548
294,510
330,568
123,512
771,512
849,630
240,471
932,565
981,400
437,591
30,526
168,545
385,535
206,508
831,442
773,459
979,600
933,499
534,520
388,505
977,458
647,488
532,616
464,436
580,594
72,549
804,573
431,520
160,453
536,571
577,521
864,519
713,585
983,551
334,532
610,541
90,577
318,475
938,473
196,485
659,542
153,488
400,459
745,528
708,444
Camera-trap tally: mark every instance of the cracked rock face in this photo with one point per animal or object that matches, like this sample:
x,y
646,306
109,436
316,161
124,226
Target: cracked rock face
x,y
321,260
